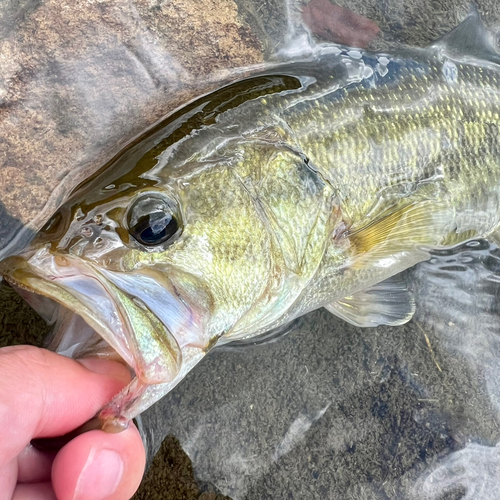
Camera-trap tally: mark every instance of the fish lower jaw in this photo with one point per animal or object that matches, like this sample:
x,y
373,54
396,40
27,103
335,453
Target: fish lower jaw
x,y
139,337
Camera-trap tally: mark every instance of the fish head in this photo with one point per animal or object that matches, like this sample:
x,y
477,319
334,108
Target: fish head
x,y
213,249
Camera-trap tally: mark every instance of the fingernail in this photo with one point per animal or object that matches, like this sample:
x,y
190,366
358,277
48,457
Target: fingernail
x,y
107,367
100,475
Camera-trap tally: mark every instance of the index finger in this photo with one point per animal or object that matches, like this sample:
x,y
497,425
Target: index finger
x,y
43,394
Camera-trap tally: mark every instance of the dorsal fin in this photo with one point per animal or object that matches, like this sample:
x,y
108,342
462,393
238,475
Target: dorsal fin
x,y
469,39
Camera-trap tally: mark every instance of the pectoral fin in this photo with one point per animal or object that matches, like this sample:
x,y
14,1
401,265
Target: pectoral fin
x,y
387,303
408,230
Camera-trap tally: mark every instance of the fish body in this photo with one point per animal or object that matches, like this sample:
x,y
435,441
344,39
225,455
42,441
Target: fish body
x,y
312,185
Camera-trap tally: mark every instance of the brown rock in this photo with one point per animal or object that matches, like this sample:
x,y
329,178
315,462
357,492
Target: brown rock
x,y
80,79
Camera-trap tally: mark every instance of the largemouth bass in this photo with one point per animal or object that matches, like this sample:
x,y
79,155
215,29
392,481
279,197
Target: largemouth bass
x,y
312,185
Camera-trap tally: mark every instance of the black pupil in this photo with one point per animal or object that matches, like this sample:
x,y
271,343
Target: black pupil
x,y
152,220
154,229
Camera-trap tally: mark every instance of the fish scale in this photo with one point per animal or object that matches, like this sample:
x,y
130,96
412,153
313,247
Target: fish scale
x,y
375,150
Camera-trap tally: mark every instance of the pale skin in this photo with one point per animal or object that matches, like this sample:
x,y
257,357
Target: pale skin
x,y
43,394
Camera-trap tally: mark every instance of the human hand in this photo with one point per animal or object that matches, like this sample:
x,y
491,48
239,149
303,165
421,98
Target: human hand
x,y
43,394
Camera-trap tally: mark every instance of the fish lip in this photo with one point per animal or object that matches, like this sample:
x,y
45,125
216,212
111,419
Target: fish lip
x,y
80,287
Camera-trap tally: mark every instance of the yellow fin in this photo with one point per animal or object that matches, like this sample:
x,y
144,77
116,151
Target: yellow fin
x,y
420,225
455,238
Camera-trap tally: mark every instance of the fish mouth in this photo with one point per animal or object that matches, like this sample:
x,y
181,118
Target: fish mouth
x,y
123,320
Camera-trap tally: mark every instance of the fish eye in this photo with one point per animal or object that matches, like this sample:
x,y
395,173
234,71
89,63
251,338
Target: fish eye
x,y
154,220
